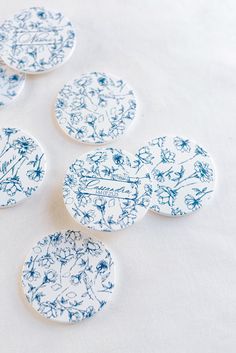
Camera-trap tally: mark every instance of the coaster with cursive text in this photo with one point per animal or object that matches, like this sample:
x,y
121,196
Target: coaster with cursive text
x,y
22,166
104,191
36,40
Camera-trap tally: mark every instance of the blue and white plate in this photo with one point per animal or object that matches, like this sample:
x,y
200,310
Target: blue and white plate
x,y
104,191
95,108
22,166
11,84
36,40
183,174
68,276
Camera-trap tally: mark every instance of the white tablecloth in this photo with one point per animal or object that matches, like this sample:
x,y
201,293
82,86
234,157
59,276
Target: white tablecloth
x,y
176,280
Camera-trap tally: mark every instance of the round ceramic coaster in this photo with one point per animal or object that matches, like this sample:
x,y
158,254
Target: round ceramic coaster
x,y
68,276
104,190
36,40
183,174
96,108
11,84
22,166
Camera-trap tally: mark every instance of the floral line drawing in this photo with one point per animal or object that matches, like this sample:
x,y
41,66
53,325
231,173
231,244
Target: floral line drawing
x,y
22,166
68,276
36,40
182,173
11,84
95,108
102,190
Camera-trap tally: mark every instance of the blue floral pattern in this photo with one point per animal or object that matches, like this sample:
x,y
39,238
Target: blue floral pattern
x,y
11,84
182,172
22,166
68,276
36,40
96,108
103,191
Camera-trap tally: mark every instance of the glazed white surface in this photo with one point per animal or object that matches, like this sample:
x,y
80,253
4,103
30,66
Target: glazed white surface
x,y
176,284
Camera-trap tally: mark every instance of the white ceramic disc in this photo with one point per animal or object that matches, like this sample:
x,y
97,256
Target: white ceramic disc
x,y
11,84
22,166
103,190
96,108
36,40
68,276
182,172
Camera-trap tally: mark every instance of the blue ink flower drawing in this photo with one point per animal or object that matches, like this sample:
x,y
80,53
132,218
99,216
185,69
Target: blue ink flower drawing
x,y
95,108
68,277
22,166
11,84
104,191
182,172
36,40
